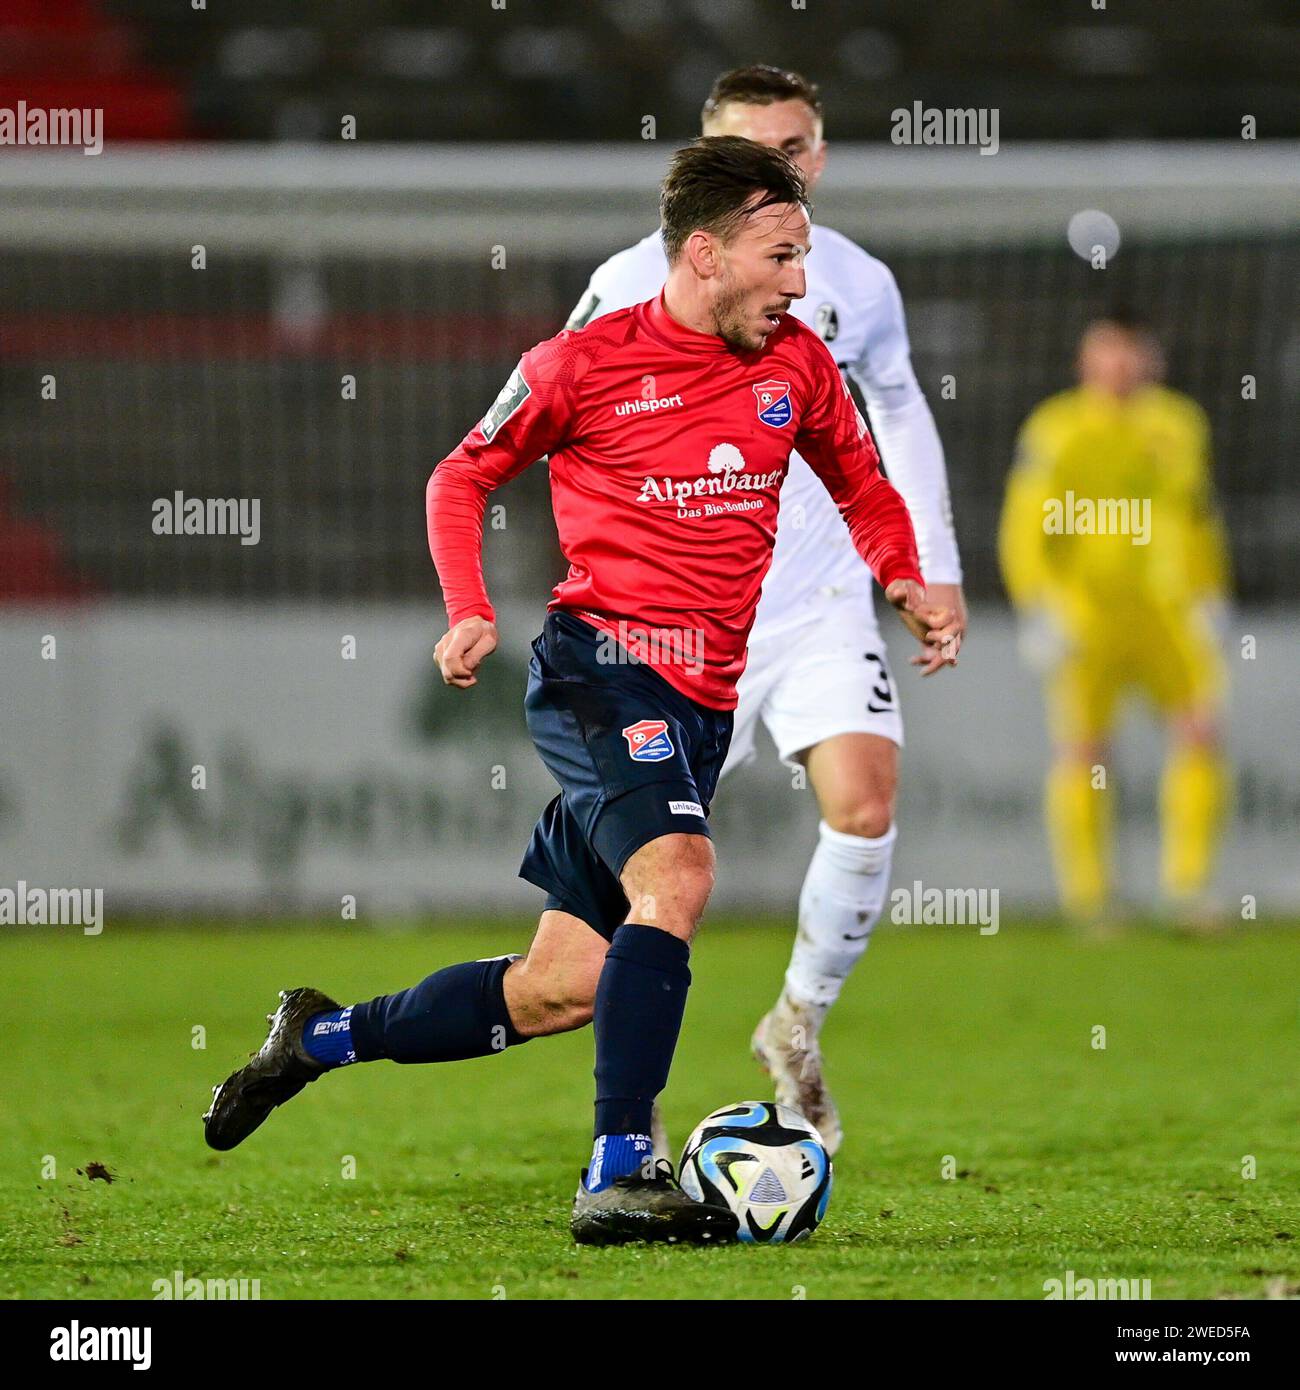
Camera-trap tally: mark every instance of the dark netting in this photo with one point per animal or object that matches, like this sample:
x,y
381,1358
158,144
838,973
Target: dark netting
x,y
229,382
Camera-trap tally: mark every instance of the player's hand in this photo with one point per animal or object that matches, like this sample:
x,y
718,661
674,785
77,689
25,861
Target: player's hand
x,y
460,651
947,596
932,626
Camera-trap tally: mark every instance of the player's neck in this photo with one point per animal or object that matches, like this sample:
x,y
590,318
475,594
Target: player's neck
x,y
686,305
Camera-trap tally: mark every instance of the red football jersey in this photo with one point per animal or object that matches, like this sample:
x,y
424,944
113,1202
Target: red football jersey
x,y
667,452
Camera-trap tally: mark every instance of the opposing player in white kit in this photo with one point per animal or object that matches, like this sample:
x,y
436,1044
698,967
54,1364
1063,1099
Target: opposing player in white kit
x,y
817,673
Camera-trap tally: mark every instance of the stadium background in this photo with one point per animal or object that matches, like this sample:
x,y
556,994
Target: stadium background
x,y
362,299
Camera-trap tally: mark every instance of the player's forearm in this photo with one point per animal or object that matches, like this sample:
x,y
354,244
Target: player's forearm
x,y
455,502
882,531
913,455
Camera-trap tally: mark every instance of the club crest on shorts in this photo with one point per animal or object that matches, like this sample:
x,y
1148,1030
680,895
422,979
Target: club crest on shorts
x,y
773,402
648,741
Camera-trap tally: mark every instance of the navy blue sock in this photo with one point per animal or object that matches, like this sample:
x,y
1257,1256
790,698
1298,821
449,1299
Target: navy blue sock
x,y
456,1013
328,1037
639,1005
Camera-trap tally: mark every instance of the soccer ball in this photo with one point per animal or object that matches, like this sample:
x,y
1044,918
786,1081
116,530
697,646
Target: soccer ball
x,y
766,1163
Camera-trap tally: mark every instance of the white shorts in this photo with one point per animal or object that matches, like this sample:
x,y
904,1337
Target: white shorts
x,y
828,676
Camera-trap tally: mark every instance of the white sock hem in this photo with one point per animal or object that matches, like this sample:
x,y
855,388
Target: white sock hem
x,y
857,853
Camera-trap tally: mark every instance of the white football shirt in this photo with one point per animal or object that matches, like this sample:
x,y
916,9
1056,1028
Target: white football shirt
x,y
853,303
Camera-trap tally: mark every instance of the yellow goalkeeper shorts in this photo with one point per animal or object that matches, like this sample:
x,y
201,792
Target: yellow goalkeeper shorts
x,y
1172,659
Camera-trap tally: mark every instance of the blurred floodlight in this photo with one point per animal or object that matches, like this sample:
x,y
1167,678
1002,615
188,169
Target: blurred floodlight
x,y
1091,229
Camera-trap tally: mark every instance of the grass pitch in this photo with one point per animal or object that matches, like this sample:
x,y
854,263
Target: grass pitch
x,y
949,1052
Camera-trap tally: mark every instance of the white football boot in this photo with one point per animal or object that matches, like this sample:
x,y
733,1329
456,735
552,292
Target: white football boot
x,y
786,1045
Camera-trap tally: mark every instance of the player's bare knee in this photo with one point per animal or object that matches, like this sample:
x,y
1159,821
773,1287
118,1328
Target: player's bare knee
x,y
676,906
667,859
694,877
1196,729
693,887
868,818
668,883
855,777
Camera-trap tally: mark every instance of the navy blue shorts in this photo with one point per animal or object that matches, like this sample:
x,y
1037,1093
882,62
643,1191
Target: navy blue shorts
x,y
635,759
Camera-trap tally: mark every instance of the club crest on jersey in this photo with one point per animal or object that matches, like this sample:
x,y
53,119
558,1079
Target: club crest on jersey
x,y
772,400
648,741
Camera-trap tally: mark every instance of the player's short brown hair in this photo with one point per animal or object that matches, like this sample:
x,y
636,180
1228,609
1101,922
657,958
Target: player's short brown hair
x,y
760,84
1126,317
711,186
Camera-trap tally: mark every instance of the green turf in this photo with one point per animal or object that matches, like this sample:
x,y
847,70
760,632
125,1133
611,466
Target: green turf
x,y
1124,1162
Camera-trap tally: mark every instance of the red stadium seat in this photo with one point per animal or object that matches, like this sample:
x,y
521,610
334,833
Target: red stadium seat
x,y
34,566
74,55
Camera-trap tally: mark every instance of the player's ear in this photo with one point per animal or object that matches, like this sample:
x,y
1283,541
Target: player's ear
x,y
702,250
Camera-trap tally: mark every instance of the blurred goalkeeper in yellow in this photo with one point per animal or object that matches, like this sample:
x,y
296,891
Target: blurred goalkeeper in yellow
x,y
1114,555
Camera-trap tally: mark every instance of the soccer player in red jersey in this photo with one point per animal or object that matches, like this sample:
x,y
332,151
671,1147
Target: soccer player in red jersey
x,y
668,427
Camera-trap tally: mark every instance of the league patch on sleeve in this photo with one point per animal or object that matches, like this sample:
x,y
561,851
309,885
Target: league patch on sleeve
x,y
648,741
513,394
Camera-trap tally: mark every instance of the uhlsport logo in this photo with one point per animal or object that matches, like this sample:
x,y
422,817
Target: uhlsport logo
x,y
649,403
648,741
773,402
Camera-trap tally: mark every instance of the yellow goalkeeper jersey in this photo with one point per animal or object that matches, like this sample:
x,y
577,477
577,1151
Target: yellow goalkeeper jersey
x,y
1110,506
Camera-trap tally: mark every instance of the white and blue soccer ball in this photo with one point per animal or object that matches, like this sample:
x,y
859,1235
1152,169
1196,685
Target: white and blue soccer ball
x,y
766,1163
